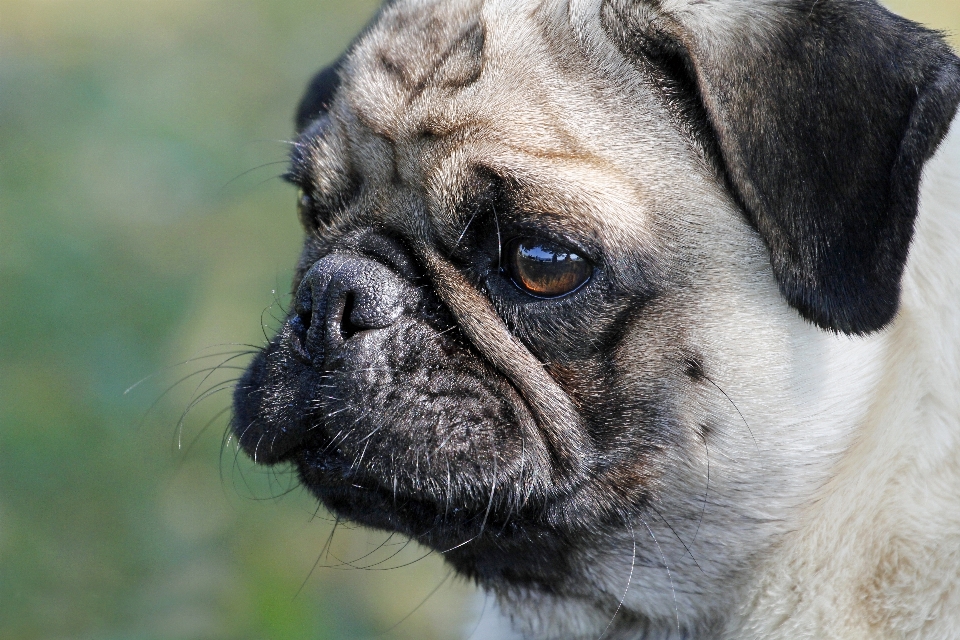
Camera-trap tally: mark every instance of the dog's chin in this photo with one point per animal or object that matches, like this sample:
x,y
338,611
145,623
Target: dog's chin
x,y
503,545
496,547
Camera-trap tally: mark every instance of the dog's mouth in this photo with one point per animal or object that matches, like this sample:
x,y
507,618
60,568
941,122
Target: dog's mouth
x,y
403,427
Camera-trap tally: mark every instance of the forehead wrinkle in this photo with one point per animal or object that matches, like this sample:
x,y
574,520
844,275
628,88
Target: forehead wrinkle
x,y
380,105
415,48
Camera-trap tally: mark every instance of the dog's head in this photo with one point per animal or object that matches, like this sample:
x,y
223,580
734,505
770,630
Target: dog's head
x,y
584,283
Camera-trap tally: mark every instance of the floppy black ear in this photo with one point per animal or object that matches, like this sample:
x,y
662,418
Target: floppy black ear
x,y
822,113
320,92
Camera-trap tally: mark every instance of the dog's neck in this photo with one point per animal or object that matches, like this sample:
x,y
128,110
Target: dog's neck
x,y
890,567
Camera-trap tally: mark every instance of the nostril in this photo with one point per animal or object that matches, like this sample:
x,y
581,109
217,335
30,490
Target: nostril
x,y
347,327
299,324
303,307
298,339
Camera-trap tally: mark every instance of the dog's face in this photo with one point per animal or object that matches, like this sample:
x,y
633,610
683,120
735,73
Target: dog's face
x,y
580,296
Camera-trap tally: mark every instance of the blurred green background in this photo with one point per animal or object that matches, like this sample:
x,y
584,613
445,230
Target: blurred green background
x,y
142,225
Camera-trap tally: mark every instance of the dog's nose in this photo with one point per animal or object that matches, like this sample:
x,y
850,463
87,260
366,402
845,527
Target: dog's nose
x,y
340,296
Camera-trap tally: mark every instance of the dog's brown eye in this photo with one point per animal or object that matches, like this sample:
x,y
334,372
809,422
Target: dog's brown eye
x,y
544,269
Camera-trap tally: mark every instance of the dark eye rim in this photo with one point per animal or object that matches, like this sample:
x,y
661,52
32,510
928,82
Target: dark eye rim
x,y
569,247
307,209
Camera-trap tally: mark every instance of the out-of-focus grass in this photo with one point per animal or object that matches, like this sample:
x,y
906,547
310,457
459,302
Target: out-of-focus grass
x,y
127,246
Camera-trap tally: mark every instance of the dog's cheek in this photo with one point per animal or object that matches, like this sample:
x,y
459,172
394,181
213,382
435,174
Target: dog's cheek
x,y
421,412
629,398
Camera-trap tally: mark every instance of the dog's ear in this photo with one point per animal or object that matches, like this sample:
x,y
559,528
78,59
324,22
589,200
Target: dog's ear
x,y
320,92
822,114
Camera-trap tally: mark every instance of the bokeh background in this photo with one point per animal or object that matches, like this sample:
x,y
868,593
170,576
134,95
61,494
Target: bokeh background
x,y
144,234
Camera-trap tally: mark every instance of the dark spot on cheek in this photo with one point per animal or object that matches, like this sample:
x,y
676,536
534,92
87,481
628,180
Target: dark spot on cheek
x,y
693,367
705,430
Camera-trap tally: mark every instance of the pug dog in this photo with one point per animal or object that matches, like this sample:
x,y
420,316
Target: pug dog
x,y
643,314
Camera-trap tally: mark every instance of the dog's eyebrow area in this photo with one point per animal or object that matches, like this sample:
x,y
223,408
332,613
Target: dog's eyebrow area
x,y
582,201
304,151
317,160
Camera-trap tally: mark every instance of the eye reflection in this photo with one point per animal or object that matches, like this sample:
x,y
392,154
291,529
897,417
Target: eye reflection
x,y
545,269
